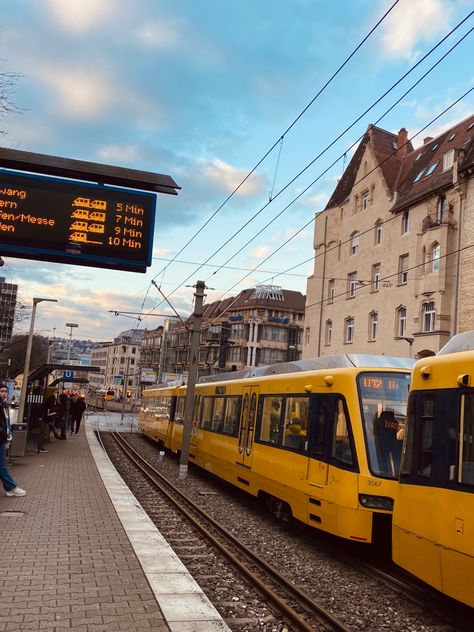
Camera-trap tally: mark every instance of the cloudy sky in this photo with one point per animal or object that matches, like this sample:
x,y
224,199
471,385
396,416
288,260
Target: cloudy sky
x,y
202,90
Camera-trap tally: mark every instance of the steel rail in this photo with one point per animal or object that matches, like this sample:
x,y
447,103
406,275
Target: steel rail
x,y
281,605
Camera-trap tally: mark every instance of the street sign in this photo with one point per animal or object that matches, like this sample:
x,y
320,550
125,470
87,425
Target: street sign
x,y
68,375
65,221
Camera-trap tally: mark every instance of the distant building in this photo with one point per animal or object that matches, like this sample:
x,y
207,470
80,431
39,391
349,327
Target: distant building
x,y
260,326
394,248
8,293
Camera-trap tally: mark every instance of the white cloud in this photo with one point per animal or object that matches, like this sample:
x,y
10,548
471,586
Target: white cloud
x,y
260,252
118,153
81,15
414,22
228,178
162,34
78,93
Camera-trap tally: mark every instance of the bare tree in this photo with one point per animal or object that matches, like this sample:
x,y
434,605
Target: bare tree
x,y
8,81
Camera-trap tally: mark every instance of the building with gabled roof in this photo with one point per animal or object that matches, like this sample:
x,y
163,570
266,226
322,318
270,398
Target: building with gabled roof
x,y
394,248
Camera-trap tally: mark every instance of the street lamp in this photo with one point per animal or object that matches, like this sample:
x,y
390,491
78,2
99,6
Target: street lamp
x,y
71,326
26,370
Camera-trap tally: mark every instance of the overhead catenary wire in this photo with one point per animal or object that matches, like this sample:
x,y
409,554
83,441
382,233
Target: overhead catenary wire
x,y
278,141
353,144
361,179
335,161
292,124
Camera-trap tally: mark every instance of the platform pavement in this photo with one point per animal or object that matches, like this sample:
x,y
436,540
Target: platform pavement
x,y
79,553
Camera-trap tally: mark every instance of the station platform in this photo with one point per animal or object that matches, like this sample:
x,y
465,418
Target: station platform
x,y
78,552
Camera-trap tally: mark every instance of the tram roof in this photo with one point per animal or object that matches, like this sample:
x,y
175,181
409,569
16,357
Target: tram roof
x,y
340,361
458,343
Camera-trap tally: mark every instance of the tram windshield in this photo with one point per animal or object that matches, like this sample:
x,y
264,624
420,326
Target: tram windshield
x,y
383,398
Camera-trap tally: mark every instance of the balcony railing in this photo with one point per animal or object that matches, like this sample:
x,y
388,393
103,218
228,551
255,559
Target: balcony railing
x,y
438,218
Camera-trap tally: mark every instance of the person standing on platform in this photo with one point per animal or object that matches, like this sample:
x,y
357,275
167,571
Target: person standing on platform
x,y
9,485
62,417
78,406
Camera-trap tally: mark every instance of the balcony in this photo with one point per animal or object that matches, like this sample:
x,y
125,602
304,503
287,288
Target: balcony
x,y
438,218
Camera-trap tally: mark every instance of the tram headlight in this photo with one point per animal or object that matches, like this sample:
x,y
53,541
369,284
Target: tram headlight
x,y
376,502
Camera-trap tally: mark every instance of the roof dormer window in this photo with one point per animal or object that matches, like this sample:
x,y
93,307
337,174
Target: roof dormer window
x,y
471,126
452,137
420,175
435,147
419,156
448,160
432,168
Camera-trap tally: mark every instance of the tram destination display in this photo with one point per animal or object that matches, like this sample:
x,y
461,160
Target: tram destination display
x,y
53,219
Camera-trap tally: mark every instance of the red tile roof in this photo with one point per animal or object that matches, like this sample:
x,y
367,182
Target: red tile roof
x,y
384,146
422,171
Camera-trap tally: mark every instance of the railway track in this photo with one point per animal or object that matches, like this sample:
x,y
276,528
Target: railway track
x,y
294,606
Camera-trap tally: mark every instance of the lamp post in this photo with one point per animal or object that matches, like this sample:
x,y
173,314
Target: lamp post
x,y
26,370
71,326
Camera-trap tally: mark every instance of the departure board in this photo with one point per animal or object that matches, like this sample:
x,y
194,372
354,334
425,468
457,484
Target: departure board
x,y
52,219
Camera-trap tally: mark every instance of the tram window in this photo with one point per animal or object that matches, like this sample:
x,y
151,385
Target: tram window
x,y
321,412
467,440
341,445
406,465
206,413
271,419
218,414
296,423
231,421
425,449
179,414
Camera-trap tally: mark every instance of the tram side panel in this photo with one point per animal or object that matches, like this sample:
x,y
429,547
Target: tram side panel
x,y
433,523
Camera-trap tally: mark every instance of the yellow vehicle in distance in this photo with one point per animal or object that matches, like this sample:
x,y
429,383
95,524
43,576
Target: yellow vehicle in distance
x,y
433,519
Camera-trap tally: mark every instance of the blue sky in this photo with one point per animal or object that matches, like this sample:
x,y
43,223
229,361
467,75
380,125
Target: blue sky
x,y
201,90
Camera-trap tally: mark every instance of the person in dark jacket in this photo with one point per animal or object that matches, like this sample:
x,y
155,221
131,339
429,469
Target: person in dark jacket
x,y
78,406
62,416
9,485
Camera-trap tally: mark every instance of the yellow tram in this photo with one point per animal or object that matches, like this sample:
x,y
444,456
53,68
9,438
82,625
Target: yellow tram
x,y
316,439
433,521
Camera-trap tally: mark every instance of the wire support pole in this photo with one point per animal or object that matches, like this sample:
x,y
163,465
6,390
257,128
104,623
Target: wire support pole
x,y
192,377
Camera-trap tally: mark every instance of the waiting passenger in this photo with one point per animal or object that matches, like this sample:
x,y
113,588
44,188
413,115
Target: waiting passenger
x,y
9,485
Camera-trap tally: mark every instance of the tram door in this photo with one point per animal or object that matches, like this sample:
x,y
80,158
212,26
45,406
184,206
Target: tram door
x,y
247,425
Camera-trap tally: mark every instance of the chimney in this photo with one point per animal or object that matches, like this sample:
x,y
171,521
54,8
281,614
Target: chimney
x,y
402,142
427,140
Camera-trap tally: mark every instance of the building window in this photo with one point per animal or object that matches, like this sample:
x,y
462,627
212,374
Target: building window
x,y
401,321
405,222
376,277
429,314
435,255
448,160
352,284
307,336
331,290
373,325
328,332
349,330
403,270
365,200
354,243
378,232
442,209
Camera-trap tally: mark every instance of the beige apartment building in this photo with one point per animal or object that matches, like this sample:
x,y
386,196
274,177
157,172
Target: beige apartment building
x,y
394,264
